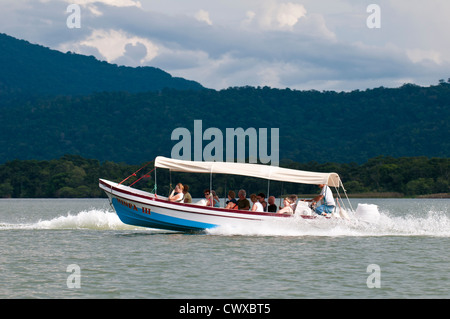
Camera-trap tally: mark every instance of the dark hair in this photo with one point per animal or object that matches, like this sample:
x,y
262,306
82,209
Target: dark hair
x,y
262,195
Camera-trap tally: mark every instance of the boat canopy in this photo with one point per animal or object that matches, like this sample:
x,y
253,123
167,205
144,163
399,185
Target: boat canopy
x,y
254,170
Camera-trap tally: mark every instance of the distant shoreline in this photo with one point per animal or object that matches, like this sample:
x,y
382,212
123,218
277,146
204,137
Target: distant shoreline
x,y
385,195
73,176
302,196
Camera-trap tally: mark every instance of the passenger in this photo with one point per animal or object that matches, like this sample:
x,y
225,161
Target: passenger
x,y
177,194
209,198
328,201
216,199
272,208
289,205
253,199
231,203
243,203
257,206
187,195
262,199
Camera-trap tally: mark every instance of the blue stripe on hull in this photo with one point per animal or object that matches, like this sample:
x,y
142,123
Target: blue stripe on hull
x,y
134,217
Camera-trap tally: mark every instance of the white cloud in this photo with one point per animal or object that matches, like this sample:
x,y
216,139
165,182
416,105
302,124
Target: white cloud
x,y
95,11
249,17
418,55
203,16
92,5
112,45
282,43
289,13
115,3
281,15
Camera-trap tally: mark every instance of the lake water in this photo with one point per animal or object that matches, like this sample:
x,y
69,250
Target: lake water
x,y
46,243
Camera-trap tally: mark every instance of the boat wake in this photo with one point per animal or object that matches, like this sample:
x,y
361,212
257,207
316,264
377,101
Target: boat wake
x,y
97,219
434,224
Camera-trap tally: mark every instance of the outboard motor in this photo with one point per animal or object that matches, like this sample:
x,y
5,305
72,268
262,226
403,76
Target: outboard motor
x,y
368,213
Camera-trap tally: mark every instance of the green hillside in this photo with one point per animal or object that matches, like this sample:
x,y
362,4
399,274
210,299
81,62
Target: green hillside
x,y
33,69
313,126
49,108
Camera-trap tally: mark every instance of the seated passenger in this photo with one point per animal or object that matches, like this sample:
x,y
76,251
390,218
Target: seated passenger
x,y
231,203
262,199
187,195
289,205
209,198
272,208
216,200
177,194
328,201
243,203
257,206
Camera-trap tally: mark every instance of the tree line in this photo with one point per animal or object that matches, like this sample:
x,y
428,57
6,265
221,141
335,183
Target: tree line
x,y
322,126
73,176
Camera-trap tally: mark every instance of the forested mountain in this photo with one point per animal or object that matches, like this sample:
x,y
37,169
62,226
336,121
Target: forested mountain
x,y
33,69
313,126
48,109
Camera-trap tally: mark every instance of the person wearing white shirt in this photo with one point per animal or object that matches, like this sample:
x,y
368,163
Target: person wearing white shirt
x,y
328,201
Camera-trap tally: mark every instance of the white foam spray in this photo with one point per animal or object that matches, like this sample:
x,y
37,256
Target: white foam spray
x,y
435,224
99,219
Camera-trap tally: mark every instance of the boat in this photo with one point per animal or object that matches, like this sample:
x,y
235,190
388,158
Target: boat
x,y
147,209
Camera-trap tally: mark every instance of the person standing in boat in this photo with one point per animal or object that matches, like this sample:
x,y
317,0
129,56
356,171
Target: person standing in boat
x,y
328,201
177,194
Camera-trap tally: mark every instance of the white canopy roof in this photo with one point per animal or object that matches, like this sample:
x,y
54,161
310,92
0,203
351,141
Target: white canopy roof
x,y
254,170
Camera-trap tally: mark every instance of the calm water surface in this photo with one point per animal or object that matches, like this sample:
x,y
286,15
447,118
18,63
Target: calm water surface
x,y
41,238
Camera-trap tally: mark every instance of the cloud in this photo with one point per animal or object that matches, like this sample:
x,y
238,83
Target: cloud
x,y
274,15
302,44
115,3
113,45
203,16
288,14
249,17
418,55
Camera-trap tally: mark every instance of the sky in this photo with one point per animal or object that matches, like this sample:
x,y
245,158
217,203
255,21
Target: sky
x,y
338,45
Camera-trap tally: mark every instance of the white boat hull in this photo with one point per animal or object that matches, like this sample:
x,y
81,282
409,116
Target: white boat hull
x,y
138,208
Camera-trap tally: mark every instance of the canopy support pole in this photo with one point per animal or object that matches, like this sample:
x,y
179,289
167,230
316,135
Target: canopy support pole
x,y
210,187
